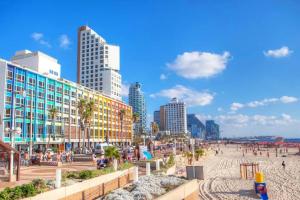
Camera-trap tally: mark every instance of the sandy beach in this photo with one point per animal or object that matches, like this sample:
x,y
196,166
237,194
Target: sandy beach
x,y
223,180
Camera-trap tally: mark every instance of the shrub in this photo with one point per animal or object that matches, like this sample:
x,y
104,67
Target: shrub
x,y
85,174
28,190
72,174
39,184
5,194
16,193
125,165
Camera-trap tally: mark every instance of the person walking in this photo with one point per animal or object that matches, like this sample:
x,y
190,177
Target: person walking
x,y
283,165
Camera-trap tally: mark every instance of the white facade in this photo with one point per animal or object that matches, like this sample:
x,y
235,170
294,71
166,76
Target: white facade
x,y
38,61
175,117
2,94
98,63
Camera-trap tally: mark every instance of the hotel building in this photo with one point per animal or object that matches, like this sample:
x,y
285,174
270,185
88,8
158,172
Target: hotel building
x,y
98,63
35,93
173,117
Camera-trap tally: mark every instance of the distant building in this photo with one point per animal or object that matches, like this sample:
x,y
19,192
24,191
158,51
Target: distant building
x,y
156,117
137,101
212,130
195,126
98,63
173,117
38,62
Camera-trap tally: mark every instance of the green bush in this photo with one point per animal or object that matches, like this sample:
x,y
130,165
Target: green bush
x,y
28,190
125,165
5,194
86,174
16,193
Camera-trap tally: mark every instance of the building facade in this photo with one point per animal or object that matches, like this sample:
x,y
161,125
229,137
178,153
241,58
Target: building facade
x,y
98,63
38,61
156,117
195,126
138,103
173,117
45,92
212,130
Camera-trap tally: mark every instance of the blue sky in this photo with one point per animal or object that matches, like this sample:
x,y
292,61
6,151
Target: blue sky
x,y
233,61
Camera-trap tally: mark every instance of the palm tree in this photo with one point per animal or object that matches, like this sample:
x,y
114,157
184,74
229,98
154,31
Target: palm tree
x,y
154,128
122,112
53,114
89,113
111,153
135,119
81,106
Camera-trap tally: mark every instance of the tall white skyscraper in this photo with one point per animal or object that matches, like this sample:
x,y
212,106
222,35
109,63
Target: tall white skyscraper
x,y
173,117
98,63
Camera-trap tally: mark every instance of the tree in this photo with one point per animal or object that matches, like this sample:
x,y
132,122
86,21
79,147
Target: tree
x,y
111,152
89,114
122,113
199,153
53,114
81,106
135,119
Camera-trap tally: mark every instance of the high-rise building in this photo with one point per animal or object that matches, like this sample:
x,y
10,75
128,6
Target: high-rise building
x,y
156,117
173,117
137,101
26,96
212,130
98,63
195,126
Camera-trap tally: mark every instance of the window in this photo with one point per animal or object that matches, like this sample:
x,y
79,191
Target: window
x,y
66,92
51,87
59,90
66,110
9,75
7,112
40,105
20,78
41,94
50,97
41,84
31,81
19,102
8,99
59,99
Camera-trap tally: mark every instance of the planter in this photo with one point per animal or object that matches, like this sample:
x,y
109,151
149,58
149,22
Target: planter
x,y
186,191
88,189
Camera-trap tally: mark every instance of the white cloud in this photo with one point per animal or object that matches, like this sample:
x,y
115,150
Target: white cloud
x,y
287,99
38,37
253,104
125,89
253,125
278,53
163,77
193,65
236,106
189,96
64,41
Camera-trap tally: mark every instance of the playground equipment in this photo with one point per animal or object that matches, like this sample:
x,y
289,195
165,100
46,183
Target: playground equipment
x,y
248,170
260,186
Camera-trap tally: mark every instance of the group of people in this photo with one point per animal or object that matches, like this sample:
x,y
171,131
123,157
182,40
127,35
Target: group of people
x,y
65,156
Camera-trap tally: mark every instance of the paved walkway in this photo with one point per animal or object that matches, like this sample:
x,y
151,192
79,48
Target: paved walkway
x,y
46,172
